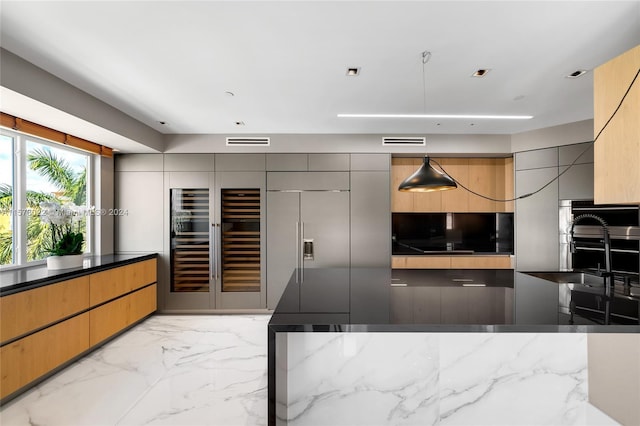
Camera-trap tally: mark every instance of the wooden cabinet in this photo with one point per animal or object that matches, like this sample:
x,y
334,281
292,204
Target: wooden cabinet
x,y
451,262
617,150
27,359
492,177
29,310
44,328
112,317
107,285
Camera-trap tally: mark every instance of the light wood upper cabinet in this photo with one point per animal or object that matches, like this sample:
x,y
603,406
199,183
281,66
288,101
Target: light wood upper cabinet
x,y
456,200
401,168
617,150
492,177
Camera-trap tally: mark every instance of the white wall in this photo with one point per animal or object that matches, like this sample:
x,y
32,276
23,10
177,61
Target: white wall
x,y
564,134
477,145
31,93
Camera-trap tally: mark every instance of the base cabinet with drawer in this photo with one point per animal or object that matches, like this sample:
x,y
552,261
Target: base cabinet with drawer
x,y
45,328
451,262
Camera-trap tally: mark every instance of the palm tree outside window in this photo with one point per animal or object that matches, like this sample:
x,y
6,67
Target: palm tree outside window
x,y
51,173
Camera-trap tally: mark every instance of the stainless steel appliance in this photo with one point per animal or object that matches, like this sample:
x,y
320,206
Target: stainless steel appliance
x,y
623,224
306,229
603,240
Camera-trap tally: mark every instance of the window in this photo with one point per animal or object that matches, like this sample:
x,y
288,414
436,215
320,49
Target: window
x,y
6,200
33,171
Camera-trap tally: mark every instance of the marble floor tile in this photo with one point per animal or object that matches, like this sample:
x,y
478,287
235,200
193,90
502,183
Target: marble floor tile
x,y
198,370
168,370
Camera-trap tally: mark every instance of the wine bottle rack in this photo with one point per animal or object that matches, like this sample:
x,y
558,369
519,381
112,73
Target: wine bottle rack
x,y
240,237
190,240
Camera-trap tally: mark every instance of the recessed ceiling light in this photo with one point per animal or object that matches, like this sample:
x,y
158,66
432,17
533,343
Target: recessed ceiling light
x,y
164,123
229,93
239,123
481,72
352,72
576,74
465,116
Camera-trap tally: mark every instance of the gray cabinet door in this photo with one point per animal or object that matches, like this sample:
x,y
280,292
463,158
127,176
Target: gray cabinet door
x,y
233,257
140,195
325,220
283,217
370,219
537,221
321,219
536,159
287,162
328,162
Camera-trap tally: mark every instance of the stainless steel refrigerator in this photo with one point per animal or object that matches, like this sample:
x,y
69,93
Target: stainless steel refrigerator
x,y
307,228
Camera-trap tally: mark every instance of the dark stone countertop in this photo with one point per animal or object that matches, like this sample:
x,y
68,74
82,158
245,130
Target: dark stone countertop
x,y
30,277
386,300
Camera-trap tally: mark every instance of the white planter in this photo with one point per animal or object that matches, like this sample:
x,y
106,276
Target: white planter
x,y
65,262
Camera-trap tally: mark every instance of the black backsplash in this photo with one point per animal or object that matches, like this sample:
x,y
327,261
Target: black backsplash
x,y
415,233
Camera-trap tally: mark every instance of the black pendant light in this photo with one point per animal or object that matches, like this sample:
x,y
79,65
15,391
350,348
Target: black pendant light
x,y
427,179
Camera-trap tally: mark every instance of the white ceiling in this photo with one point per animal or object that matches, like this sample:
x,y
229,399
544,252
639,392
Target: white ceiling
x,y
286,61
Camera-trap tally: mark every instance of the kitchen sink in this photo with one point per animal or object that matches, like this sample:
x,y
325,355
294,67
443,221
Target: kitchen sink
x,y
570,277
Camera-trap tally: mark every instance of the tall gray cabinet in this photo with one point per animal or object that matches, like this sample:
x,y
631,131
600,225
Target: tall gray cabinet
x,y
370,210
231,229
308,217
537,221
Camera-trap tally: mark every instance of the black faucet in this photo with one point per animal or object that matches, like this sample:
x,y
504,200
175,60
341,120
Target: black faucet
x,y
606,240
608,277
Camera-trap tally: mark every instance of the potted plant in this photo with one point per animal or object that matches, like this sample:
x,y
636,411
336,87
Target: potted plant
x,y
66,237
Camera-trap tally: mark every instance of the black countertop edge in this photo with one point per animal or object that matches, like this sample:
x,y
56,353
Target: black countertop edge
x,y
47,277
462,328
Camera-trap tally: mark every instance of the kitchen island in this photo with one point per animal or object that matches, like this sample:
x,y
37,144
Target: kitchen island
x,y
376,346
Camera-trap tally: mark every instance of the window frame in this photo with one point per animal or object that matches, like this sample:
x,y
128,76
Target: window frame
x,y
19,207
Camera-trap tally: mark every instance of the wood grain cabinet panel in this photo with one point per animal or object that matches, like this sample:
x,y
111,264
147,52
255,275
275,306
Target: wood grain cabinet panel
x,y
421,262
400,170
492,177
456,200
617,150
505,182
29,358
447,262
112,317
481,262
483,179
109,284
29,310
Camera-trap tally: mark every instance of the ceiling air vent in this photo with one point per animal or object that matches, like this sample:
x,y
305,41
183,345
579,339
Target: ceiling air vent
x,y
403,141
248,141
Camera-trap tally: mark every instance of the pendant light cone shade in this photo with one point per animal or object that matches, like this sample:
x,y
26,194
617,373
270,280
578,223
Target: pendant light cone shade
x,y
427,179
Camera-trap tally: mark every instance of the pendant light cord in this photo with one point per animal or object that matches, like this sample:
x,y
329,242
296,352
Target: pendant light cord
x,y
559,174
426,55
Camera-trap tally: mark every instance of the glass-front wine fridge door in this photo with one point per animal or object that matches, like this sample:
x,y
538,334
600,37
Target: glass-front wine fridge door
x,y
240,238
190,240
